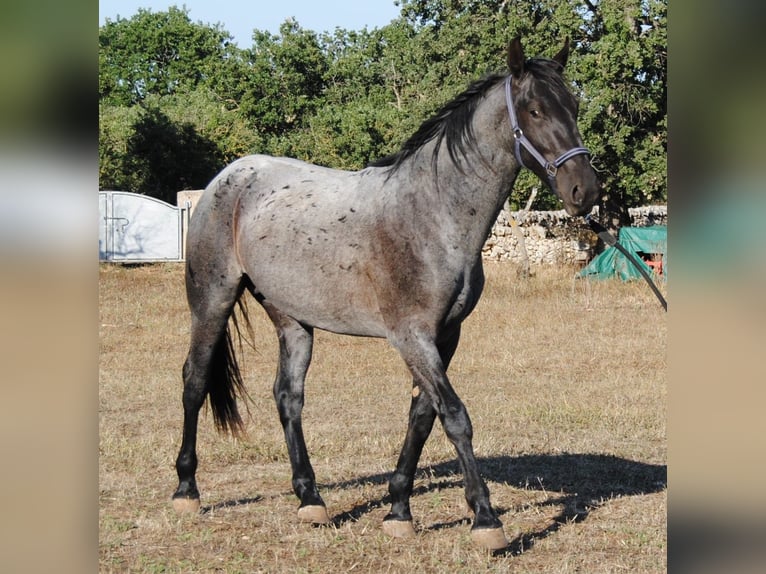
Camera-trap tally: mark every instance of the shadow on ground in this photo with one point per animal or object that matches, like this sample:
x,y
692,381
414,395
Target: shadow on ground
x,y
577,483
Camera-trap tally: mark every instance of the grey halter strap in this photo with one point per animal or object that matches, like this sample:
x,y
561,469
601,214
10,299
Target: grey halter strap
x,y
551,167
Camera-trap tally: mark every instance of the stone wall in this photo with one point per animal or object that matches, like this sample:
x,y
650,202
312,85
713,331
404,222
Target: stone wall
x,y
553,237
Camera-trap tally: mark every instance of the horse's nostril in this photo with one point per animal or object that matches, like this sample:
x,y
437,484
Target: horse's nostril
x,y
576,195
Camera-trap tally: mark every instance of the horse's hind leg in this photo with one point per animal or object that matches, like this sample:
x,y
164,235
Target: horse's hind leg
x,y
208,363
295,347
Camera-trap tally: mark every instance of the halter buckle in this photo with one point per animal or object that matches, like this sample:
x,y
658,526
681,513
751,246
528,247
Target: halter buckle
x,y
551,169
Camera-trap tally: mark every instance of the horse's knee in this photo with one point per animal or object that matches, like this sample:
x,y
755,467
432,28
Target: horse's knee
x,y
457,423
193,397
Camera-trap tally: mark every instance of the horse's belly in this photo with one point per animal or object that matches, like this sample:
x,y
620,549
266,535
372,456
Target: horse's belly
x,y
322,290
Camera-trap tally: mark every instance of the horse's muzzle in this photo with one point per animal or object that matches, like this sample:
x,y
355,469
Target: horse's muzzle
x,y
579,189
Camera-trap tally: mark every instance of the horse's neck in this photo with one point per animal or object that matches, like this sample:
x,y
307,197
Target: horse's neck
x,y
473,201
466,203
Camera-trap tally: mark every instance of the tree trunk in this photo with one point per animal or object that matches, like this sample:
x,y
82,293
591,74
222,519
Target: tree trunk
x,y
519,234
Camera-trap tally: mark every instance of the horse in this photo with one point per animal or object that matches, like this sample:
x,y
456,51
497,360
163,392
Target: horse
x,y
390,251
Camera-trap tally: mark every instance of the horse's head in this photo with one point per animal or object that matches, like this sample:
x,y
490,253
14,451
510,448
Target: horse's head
x,y
543,114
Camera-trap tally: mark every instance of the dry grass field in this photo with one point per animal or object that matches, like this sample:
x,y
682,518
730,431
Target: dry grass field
x,y
565,382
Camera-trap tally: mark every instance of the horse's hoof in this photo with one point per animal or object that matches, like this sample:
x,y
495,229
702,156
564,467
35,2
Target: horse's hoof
x,y
399,528
186,505
313,513
489,538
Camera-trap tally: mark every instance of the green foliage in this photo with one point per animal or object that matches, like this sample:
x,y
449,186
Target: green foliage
x,y
284,81
345,98
166,156
160,53
623,76
115,128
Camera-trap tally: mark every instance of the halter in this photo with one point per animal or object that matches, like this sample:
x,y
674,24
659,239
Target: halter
x,y
521,140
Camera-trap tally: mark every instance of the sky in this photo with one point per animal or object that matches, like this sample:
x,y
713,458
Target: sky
x,y
240,17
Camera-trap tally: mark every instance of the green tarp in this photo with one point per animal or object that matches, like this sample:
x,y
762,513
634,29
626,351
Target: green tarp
x,y
638,240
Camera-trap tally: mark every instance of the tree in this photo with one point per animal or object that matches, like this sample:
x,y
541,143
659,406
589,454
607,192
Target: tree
x,y
168,107
284,81
623,72
162,53
194,131
345,98
115,127
167,157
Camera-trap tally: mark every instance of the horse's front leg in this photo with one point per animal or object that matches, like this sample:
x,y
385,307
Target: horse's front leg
x,y
425,362
398,522
295,347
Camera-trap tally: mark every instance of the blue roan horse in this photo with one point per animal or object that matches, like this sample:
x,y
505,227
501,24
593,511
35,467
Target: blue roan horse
x,y
393,251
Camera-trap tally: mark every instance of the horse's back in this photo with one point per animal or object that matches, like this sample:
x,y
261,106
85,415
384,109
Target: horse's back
x,y
251,185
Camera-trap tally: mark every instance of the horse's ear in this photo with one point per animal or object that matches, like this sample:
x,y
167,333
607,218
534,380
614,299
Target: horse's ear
x,y
563,54
516,57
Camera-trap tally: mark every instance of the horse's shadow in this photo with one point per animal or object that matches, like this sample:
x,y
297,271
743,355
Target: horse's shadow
x,y
578,483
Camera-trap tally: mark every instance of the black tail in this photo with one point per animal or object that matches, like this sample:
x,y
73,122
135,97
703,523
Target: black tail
x,y
226,384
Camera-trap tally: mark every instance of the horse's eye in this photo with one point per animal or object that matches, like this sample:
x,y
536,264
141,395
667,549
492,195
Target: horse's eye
x,y
534,113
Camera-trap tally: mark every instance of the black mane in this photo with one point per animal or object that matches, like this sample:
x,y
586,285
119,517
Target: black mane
x,y
452,122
